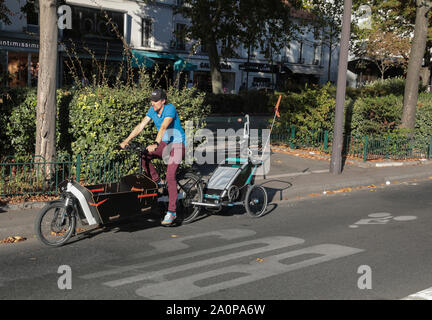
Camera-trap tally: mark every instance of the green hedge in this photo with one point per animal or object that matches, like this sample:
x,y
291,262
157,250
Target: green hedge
x,y
93,120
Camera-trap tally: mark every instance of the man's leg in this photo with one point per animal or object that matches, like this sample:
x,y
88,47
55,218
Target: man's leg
x,y
176,156
146,161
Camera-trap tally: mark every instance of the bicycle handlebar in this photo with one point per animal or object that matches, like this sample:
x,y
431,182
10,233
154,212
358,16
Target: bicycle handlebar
x,y
137,147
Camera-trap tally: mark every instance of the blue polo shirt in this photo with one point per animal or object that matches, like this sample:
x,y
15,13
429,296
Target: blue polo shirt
x,y
174,133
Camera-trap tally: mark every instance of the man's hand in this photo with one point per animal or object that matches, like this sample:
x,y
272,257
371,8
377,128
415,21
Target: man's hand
x,y
124,144
152,147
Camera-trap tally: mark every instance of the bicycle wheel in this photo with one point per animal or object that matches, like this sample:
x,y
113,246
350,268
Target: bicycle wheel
x,y
256,201
54,224
189,189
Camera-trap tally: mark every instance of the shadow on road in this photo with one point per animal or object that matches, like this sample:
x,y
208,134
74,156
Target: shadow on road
x,y
275,192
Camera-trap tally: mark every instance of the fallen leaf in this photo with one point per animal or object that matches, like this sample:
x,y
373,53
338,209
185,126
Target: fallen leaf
x,y
13,239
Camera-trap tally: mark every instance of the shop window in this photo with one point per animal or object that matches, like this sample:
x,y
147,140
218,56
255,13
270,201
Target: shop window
x,y
34,69
17,69
23,68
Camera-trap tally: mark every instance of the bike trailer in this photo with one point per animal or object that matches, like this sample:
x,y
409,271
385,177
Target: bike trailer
x,y
229,182
102,203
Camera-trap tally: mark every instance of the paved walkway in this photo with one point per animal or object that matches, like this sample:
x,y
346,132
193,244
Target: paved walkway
x,y
292,176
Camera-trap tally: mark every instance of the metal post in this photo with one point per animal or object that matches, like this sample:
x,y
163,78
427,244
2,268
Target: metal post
x,y
365,149
78,168
325,140
430,148
336,157
292,137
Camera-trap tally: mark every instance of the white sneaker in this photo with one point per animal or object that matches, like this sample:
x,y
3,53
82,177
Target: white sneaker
x,y
169,218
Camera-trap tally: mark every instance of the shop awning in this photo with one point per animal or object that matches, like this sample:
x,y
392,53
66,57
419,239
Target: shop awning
x,y
305,69
157,55
140,58
149,58
182,65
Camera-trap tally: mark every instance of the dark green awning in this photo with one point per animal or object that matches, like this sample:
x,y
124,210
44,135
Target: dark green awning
x,y
182,65
148,59
140,59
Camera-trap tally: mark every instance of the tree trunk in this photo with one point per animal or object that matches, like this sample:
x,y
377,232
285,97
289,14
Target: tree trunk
x,y
214,60
415,62
46,90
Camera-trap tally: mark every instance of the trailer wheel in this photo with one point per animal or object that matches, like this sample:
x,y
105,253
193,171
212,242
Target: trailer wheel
x,y
256,201
55,224
190,188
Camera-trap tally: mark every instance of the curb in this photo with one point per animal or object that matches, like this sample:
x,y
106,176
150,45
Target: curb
x,y
323,190
362,164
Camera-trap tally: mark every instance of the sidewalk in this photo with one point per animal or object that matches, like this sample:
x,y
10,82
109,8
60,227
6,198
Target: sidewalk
x,y
293,175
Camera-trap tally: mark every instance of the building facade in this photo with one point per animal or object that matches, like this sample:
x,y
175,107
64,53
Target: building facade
x,y
148,28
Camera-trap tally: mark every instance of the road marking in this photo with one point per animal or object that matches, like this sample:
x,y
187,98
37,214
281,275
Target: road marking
x,y
217,268
421,295
175,245
381,218
271,243
188,287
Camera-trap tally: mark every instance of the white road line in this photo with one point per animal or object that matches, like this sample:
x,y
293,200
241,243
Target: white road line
x,y
421,295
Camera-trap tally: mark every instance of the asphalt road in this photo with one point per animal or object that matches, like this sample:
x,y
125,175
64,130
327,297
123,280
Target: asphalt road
x,y
359,245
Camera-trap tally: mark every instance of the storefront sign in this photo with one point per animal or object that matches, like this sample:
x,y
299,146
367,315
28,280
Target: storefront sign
x,y
223,66
19,44
258,67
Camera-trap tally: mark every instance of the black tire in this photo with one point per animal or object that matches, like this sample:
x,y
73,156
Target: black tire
x,y
54,224
256,201
191,188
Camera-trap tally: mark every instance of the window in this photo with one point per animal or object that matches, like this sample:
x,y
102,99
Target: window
x,y
180,37
300,57
32,17
316,54
146,27
203,48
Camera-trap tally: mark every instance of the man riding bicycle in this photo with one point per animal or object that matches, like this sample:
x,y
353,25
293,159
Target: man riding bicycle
x,y
170,142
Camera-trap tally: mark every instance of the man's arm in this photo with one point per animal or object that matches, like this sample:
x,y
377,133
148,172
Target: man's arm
x,y
136,131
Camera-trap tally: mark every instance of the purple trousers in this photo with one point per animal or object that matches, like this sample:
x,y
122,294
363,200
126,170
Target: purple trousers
x,y
172,154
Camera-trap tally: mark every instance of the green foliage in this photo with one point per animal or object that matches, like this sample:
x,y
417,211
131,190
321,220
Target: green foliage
x,y
94,120
103,118
21,126
376,115
10,98
311,110
423,126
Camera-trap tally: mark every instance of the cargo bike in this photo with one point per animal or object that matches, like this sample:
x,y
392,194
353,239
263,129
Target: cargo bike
x,y
101,204
231,184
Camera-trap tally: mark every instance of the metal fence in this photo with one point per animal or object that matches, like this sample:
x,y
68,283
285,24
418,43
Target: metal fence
x,y
37,176
366,148
34,175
